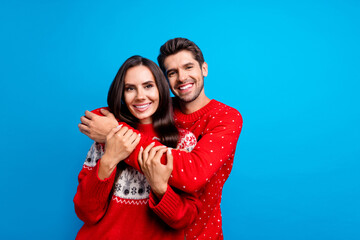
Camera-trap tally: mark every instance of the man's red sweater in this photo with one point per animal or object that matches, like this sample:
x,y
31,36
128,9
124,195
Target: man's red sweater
x,y
205,169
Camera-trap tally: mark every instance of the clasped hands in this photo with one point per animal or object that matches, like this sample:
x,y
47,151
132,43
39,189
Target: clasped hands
x,y
120,142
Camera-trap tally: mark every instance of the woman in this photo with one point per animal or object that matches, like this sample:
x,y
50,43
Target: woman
x,y
113,198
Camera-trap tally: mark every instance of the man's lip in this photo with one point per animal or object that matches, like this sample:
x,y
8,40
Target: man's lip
x,y
186,86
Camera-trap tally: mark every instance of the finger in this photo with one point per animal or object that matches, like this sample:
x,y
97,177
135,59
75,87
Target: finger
x,y
132,137
146,151
159,154
122,131
137,140
170,159
84,120
182,149
113,132
106,113
89,114
83,128
154,150
140,159
128,134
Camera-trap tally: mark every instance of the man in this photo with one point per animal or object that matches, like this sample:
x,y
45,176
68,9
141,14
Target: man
x,y
216,126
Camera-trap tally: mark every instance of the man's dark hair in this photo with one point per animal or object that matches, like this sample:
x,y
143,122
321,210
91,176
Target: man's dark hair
x,y
176,45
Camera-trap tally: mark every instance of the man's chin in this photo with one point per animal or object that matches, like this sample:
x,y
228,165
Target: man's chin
x,y
186,99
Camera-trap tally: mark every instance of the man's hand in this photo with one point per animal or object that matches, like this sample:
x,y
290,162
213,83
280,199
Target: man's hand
x,y
97,127
120,143
155,172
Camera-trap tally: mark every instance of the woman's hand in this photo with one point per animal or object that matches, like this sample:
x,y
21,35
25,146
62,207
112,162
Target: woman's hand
x,y
155,172
119,144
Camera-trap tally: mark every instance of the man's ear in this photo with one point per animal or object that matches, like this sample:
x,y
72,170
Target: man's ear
x,y
204,69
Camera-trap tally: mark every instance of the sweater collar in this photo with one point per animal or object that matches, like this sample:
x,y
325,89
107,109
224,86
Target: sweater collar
x,y
195,115
147,129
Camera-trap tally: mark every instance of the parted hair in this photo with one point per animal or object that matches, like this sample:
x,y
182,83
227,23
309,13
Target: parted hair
x,y
163,120
176,45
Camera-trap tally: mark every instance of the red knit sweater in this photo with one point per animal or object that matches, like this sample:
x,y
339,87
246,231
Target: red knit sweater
x,y
205,169
123,207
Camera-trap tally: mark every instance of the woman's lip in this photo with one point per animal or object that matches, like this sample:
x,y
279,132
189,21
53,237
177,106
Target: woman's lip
x,y
142,107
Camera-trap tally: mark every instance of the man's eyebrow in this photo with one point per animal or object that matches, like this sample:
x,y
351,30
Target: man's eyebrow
x,y
184,65
169,70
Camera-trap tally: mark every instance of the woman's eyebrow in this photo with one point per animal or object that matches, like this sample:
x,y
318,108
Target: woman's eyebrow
x,y
147,82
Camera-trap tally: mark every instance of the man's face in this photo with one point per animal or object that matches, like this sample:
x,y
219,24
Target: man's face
x,y
185,76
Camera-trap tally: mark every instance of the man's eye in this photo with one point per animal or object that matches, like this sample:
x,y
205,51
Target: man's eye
x,y
170,74
188,67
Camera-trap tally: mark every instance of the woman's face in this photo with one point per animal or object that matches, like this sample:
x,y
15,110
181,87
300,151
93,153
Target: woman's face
x,y
141,94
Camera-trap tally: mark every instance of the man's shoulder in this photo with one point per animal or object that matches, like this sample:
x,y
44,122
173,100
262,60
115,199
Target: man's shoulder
x,y
227,118
213,110
223,109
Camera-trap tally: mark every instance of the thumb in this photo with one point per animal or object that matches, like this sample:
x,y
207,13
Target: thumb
x,y
104,111
170,159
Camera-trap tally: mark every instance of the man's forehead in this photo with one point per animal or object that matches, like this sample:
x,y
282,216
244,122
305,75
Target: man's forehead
x,y
181,58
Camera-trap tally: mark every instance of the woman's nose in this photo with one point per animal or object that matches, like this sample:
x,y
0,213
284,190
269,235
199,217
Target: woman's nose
x,y
140,94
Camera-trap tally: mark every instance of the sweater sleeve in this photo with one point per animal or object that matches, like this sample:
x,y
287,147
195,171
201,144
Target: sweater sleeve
x,y
192,170
92,197
176,209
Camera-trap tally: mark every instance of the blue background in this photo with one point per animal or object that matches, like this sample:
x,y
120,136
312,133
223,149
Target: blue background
x,y
290,68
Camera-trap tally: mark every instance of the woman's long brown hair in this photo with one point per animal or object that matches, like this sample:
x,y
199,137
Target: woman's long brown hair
x,y
163,120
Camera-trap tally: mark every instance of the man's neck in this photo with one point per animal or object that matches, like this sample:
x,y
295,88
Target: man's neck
x,y
190,107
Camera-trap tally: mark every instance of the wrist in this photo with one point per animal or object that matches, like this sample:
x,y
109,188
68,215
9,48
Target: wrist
x,y
160,191
106,167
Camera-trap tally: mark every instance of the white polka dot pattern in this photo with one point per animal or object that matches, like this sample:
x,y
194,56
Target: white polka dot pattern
x,y
208,166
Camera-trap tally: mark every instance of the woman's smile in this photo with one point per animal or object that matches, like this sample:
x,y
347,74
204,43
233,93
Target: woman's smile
x,y
141,94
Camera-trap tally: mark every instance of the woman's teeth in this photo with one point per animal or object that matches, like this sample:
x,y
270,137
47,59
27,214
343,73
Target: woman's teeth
x,y
142,106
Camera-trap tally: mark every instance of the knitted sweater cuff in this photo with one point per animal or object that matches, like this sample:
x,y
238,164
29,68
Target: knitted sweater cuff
x,y
167,207
101,188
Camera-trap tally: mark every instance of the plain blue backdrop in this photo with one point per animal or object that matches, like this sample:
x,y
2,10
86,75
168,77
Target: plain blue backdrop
x,y
290,67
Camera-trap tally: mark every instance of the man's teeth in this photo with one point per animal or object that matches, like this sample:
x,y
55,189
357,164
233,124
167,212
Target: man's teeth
x,y
185,87
142,106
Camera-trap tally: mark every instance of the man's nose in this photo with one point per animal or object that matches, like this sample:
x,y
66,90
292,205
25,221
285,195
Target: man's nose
x,y
182,75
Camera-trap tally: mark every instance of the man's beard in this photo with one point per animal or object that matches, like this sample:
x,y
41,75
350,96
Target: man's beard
x,y
194,97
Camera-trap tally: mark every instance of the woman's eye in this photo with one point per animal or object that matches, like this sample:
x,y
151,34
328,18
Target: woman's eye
x,y
129,89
